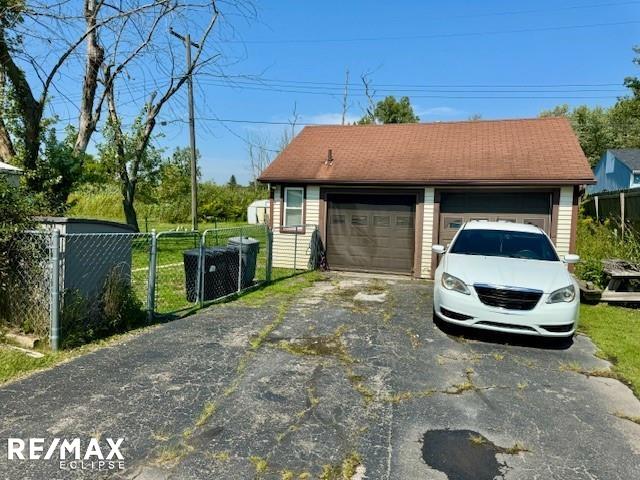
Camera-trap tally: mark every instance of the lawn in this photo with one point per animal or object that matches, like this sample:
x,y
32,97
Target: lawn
x,y
616,332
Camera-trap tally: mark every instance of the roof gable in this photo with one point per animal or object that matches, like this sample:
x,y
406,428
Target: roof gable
x,y
542,150
629,156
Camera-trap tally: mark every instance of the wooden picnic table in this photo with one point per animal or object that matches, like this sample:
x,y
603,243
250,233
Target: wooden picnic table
x,y
624,281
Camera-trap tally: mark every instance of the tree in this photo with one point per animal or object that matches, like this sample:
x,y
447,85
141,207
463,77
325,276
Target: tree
x,y
40,41
232,182
130,159
63,28
173,192
391,110
129,156
592,126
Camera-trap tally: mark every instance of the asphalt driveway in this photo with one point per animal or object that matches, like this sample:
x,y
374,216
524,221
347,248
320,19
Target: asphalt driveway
x,y
348,379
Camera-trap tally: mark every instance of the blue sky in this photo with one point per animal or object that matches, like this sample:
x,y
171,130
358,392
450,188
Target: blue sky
x,y
493,48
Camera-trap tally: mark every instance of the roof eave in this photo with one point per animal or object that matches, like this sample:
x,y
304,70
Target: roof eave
x,y
435,182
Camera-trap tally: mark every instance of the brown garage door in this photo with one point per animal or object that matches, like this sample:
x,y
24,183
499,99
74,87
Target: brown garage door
x,y
371,232
522,207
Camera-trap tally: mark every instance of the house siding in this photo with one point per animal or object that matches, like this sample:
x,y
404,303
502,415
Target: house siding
x,y
619,178
565,212
291,250
427,232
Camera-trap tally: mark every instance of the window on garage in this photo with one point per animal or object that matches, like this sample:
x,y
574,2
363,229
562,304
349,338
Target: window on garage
x,y
293,206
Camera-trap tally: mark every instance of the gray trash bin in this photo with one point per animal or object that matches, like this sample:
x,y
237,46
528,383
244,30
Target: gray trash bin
x,y
249,248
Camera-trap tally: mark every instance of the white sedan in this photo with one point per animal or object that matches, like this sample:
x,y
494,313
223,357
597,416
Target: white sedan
x,y
506,277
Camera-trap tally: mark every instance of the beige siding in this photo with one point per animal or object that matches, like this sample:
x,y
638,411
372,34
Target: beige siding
x,y
289,248
427,232
565,209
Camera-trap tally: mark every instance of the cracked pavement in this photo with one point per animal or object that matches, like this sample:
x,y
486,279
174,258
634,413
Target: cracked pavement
x,y
321,385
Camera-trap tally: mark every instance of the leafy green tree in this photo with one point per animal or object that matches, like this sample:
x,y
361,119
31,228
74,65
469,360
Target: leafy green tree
x,y
232,181
131,159
174,188
391,110
593,127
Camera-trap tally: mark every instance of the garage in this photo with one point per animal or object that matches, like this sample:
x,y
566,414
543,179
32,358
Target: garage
x,y
456,208
382,195
373,232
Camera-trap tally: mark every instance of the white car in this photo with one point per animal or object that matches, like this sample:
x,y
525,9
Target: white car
x,y
506,277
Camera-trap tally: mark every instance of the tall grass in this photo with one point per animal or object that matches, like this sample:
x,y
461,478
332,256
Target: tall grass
x,y
598,241
105,203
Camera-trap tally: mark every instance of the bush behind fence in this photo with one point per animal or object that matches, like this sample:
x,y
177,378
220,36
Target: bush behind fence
x,y
80,287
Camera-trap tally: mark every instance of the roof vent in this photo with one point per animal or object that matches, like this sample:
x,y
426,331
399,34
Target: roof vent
x,y
329,160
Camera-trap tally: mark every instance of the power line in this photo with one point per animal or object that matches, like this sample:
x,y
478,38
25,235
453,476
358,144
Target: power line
x,y
307,92
434,35
339,89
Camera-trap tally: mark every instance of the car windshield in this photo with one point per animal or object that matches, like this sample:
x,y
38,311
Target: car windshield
x,y
504,243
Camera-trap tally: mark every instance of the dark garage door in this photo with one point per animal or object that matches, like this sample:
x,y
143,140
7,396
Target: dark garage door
x,y
521,207
371,232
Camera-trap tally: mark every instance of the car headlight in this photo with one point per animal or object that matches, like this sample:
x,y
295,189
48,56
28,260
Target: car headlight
x,y
565,294
454,283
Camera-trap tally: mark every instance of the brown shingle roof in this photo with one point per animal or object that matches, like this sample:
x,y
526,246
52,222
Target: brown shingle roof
x,y
540,150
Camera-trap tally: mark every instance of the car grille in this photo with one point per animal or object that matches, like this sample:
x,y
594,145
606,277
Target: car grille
x,y
509,298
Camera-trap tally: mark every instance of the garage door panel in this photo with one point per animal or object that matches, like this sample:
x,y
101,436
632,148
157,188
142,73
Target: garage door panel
x,y
457,208
371,232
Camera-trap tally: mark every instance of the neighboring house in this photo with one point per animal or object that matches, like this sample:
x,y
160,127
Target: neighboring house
x,y
618,169
11,173
383,194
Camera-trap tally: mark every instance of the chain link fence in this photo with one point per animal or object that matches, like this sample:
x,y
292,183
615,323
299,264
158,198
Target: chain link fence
x,y
25,283
78,287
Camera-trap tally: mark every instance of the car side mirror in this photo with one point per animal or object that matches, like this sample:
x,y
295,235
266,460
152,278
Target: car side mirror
x,y
438,249
571,258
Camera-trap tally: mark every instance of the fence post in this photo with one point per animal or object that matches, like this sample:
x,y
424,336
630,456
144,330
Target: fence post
x,y
200,281
622,213
595,200
151,288
54,308
240,264
295,250
269,253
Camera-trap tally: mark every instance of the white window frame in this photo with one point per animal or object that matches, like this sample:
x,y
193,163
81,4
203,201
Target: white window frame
x,y
300,208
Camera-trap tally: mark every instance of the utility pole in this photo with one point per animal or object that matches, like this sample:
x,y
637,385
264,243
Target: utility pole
x,y
186,39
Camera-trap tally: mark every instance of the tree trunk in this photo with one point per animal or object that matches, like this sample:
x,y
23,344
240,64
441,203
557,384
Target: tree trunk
x,y
128,196
7,151
95,56
29,108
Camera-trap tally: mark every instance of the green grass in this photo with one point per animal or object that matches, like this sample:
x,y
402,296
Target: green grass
x,y
616,332
15,364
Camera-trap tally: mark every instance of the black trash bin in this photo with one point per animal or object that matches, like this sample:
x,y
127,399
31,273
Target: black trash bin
x,y
250,248
220,272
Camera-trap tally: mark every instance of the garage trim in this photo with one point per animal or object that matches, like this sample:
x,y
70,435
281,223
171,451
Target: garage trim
x,y
368,190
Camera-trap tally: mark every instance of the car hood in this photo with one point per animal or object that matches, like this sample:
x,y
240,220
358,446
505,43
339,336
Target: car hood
x,y
508,272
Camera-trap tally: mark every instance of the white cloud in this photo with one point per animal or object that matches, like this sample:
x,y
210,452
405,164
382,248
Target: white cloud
x,y
441,112
329,118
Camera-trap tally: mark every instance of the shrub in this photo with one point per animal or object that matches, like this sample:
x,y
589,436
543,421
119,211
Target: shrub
x,y
597,241
23,261
116,309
